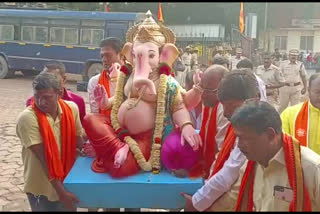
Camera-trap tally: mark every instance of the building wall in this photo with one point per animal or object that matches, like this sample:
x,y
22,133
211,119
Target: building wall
x,y
316,41
293,39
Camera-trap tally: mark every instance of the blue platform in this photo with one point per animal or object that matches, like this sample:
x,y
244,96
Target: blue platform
x,y
144,190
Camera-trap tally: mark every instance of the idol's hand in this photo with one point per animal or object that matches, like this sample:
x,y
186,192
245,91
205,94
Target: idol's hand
x,y
189,135
100,96
180,173
197,76
121,156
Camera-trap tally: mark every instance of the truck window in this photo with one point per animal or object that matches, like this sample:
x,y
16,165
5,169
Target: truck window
x,y
34,34
7,32
64,35
91,36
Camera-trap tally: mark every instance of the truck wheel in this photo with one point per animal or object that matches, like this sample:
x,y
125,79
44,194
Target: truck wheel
x,y
4,69
94,69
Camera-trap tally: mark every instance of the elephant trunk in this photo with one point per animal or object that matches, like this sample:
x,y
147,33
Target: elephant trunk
x,y
141,75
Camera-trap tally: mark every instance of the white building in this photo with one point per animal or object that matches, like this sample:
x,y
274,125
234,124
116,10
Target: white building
x,y
303,34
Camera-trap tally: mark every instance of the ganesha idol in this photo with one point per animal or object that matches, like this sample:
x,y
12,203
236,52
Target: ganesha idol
x,y
148,106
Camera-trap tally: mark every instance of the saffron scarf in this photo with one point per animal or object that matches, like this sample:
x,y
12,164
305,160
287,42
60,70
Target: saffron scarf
x,y
227,146
104,80
301,126
301,200
208,150
58,165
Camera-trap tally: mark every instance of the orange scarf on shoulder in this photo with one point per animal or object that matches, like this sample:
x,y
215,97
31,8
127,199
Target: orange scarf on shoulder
x,y
104,80
301,200
224,154
301,127
208,150
58,165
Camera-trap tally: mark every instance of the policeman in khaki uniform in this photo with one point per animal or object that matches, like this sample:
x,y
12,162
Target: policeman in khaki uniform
x,y
194,59
272,77
220,52
293,71
186,59
237,58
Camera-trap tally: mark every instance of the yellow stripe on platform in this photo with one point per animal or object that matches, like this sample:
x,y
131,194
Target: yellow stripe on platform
x,y
2,42
47,45
91,48
22,43
68,46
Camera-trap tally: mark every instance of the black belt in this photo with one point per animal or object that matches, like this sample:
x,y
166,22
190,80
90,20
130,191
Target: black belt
x,y
293,84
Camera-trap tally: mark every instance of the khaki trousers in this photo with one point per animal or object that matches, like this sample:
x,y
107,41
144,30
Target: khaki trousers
x,y
288,94
181,78
274,101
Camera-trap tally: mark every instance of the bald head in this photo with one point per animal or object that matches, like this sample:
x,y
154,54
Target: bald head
x,y
210,81
214,72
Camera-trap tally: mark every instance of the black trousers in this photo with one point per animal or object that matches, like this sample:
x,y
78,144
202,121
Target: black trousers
x,y
42,204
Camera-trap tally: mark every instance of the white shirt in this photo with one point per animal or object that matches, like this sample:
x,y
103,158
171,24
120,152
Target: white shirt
x,y
221,182
195,119
91,85
262,88
222,126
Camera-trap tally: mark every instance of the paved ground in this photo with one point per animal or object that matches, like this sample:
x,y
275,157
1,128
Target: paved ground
x,y
13,95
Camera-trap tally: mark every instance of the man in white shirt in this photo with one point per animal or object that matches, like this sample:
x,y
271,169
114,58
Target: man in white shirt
x,y
110,54
234,89
285,175
212,118
247,64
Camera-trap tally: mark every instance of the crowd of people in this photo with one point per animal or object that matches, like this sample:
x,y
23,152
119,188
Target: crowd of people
x,y
256,153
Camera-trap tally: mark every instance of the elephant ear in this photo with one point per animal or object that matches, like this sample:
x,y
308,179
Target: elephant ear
x,y
169,54
127,51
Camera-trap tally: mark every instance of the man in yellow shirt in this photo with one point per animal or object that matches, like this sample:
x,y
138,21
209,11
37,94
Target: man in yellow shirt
x,y
303,120
280,174
51,123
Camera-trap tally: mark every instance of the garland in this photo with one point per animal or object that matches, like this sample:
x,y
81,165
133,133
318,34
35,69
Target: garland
x,y
154,162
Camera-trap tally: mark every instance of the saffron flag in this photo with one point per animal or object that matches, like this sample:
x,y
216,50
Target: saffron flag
x,y
160,17
241,18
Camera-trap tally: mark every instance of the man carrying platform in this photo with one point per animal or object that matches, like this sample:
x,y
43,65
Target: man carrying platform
x,y
280,174
50,132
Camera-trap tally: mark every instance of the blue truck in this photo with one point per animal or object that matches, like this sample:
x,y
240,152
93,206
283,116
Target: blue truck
x,y
31,38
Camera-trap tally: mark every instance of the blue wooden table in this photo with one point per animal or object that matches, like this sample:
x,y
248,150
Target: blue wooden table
x,y
144,190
